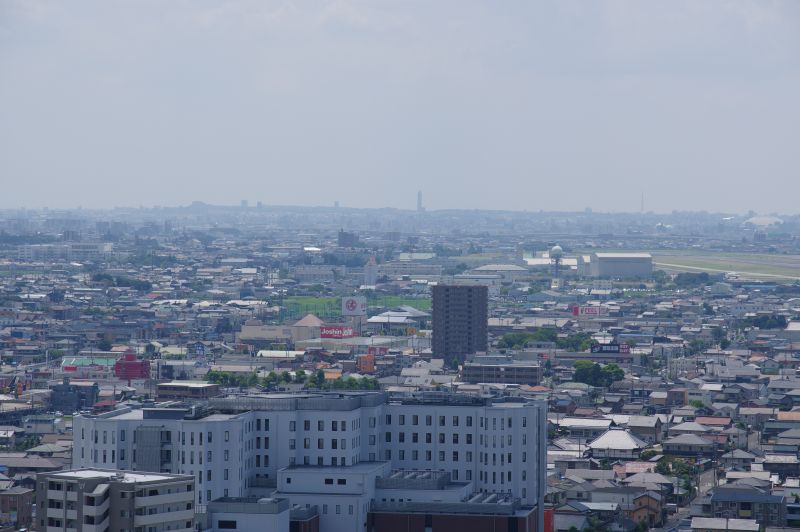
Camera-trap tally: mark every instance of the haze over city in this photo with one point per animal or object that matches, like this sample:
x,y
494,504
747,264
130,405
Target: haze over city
x,y
552,105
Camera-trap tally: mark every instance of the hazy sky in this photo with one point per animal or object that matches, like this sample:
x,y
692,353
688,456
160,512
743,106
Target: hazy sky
x,y
498,104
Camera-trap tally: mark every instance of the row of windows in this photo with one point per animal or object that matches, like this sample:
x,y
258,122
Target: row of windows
x,y
335,425
455,421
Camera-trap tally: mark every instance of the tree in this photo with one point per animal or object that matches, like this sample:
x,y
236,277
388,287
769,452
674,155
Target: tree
x,y
719,334
594,374
104,345
299,376
774,321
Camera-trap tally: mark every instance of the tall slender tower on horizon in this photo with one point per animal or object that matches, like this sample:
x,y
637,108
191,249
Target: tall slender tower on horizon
x,y
420,208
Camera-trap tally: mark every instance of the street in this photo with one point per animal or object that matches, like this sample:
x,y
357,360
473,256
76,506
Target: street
x,y
705,483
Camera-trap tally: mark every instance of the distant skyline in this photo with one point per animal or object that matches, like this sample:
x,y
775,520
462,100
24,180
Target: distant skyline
x,y
552,105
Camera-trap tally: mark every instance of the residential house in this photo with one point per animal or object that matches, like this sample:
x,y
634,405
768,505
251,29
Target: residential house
x,y
737,459
689,445
737,502
646,428
617,444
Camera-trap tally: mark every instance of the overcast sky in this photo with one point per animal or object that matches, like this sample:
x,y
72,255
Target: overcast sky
x,y
553,105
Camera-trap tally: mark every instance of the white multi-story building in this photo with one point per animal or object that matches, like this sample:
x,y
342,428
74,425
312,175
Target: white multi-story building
x,y
97,500
236,446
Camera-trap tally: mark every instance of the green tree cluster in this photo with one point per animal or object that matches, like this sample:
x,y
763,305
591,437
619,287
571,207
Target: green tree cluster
x,y
691,280
227,379
773,321
121,281
572,342
594,374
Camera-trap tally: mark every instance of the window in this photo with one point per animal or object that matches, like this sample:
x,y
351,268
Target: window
x,y
226,524
226,454
338,509
388,437
441,456
429,420
455,421
320,425
441,421
524,424
320,443
225,474
402,419
292,426
388,454
469,439
415,419
441,437
469,421
414,437
455,456
428,437
455,438
388,419
341,481
414,454
121,435
329,481
350,510
334,425
306,424
401,437
291,444
227,436
324,509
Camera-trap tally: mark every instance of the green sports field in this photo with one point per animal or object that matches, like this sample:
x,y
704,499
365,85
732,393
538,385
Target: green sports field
x,y
331,307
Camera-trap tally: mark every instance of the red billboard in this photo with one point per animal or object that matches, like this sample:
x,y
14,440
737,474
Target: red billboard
x,y
587,311
336,332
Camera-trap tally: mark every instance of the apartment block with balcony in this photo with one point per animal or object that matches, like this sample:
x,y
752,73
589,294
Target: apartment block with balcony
x,y
96,500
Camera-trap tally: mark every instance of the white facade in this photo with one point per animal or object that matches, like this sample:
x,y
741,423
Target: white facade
x,y
497,446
